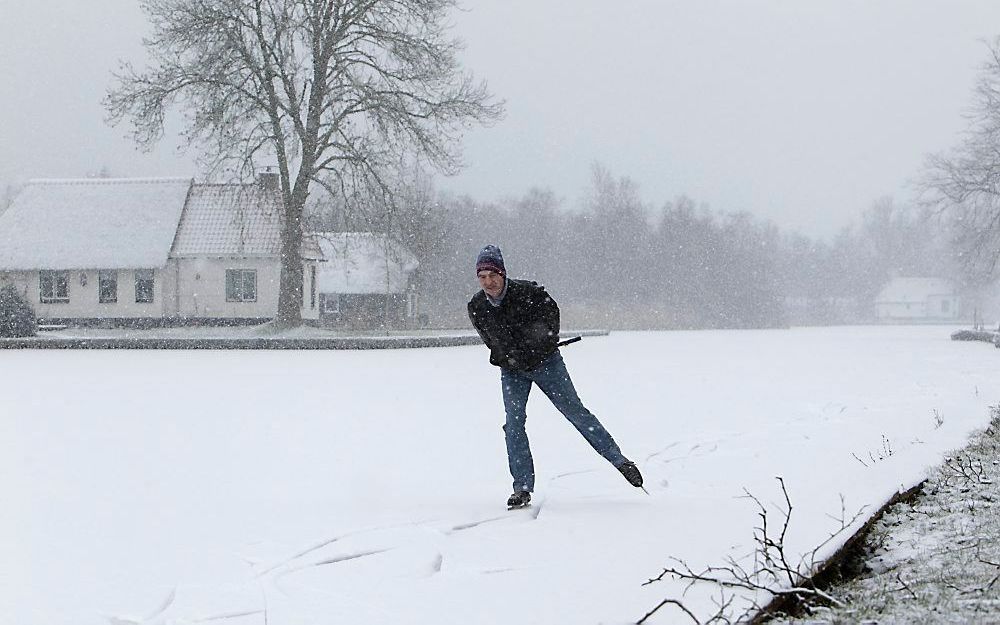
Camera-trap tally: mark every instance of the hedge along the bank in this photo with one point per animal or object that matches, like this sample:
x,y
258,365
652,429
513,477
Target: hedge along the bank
x,y
17,318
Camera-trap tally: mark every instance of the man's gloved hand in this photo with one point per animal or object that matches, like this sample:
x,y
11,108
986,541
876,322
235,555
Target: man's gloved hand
x,y
514,359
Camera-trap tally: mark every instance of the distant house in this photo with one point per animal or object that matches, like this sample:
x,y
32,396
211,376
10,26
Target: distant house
x,y
365,279
917,300
148,251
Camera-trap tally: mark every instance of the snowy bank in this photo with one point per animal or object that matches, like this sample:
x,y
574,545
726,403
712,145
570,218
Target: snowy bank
x,y
933,558
258,337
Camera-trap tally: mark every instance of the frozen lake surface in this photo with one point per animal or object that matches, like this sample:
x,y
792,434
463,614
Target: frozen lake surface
x,y
368,486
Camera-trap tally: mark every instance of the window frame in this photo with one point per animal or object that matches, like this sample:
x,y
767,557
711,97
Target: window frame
x,y
412,303
55,279
105,276
140,285
312,287
238,280
326,300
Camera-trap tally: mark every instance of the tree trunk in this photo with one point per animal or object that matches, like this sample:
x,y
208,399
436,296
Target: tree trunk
x,y
290,288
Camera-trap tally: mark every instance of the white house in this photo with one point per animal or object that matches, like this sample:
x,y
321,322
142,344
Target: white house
x,y
364,279
918,300
148,251
225,257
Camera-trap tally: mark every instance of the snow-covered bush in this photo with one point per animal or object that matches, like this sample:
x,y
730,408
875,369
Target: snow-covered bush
x,y
17,318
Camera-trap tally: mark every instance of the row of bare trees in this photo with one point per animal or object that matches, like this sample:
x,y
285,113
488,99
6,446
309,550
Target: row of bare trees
x,y
617,261
613,261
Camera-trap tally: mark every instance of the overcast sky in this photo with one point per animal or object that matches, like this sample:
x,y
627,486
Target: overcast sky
x,y
803,112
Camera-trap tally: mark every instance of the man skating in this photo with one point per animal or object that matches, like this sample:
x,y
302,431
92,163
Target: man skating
x,y
519,322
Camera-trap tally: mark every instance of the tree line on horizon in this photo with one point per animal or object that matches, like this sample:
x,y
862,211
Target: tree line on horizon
x,y
619,262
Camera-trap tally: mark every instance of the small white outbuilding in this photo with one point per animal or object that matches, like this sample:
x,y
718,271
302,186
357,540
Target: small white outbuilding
x,y
365,279
925,300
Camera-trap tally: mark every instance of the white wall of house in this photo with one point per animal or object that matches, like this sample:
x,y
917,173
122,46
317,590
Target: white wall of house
x,y
83,295
186,287
201,287
943,306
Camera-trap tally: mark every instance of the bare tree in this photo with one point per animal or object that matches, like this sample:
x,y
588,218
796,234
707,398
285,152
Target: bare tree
x,y
965,183
772,571
332,90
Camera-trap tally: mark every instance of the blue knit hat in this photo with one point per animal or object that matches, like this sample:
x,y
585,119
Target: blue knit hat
x,y
490,259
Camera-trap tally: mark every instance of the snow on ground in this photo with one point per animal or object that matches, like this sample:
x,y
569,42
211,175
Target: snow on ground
x,y
368,486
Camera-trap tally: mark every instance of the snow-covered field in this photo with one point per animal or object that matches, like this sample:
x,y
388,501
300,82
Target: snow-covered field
x,y
368,487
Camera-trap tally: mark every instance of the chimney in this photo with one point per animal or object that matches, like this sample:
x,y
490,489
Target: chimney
x,y
268,180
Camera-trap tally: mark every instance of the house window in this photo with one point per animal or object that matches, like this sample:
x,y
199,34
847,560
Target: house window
x,y
945,306
107,287
330,303
312,286
53,287
144,286
241,285
412,303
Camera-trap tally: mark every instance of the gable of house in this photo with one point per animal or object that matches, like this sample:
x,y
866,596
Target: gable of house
x,y
242,220
92,224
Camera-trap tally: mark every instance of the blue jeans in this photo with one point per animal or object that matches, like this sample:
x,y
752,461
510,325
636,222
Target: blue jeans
x,y
552,377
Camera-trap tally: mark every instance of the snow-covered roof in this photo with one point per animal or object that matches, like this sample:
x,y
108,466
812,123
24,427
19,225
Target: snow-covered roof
x,y
914,290
229,220
362,262
101,223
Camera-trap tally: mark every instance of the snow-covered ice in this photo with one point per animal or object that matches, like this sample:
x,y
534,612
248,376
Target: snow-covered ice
x,y
368,486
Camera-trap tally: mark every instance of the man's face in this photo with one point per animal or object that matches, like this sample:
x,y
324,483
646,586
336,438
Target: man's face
x,y
491,282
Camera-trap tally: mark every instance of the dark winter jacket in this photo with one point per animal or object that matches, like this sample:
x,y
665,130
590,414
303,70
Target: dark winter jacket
x,y
523,330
